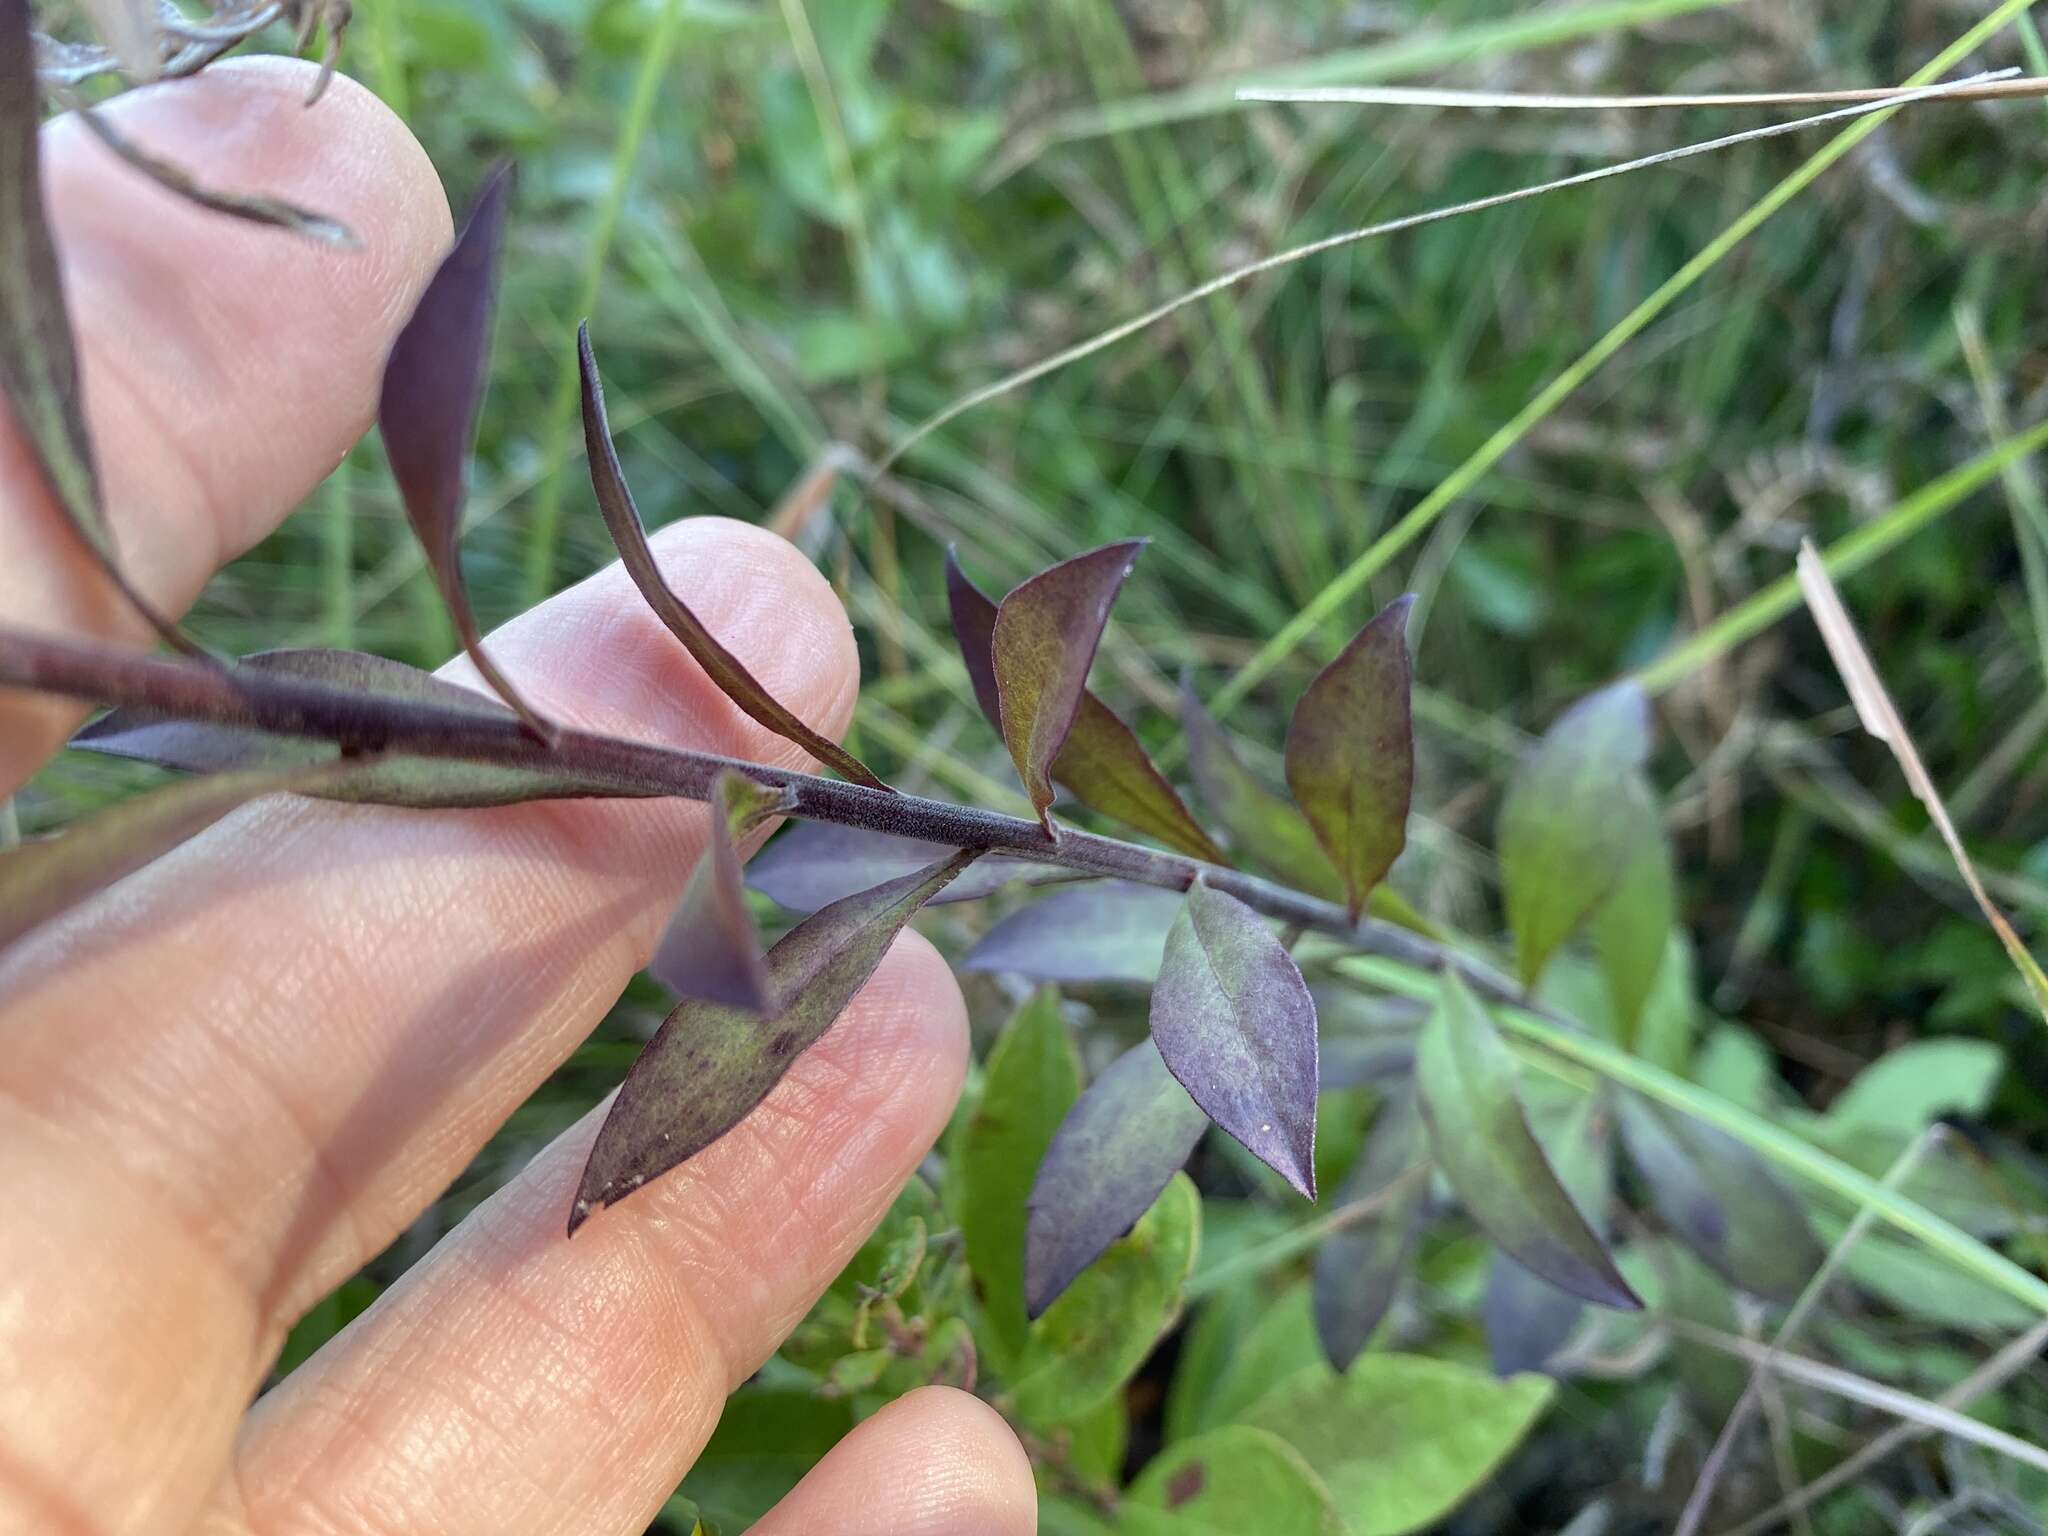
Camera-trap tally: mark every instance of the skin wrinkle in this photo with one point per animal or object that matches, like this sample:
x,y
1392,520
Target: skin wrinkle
x,y
154,1329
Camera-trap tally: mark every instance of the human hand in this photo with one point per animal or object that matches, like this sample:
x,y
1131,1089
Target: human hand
x,y
232,1080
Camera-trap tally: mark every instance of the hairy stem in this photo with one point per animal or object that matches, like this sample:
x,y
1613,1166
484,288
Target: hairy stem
x,y
361,723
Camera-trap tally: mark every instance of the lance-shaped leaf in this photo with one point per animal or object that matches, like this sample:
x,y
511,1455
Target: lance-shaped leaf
x,y
1040,649
709,1064
1119,1145
1351,753
38,361
815,863
629,535
1563,849
1234,1022
1106,931
1631,929
1359,1266
1263,827
433,393
43,879
1468,1082
1033,1078
398,778
1102,762
1526,1319
1718,1198
711,949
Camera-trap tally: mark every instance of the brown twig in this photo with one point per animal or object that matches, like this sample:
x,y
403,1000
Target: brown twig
x,y
360,723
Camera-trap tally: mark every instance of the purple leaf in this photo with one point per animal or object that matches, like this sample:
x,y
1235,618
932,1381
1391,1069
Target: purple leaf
x,y
1360,1265
1563,849
1351,754
1467,1079
1526,1319
816,863
1719,1199
629,534
1102,763
1234,1022
1120,1144
1106,931
711,949
45,878
433,393
39,375
1041,647
400,779
709,1065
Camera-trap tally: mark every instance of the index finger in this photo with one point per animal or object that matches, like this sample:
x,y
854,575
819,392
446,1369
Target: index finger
x,y
226,368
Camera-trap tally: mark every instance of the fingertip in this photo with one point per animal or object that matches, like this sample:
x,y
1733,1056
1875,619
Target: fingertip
x,y
229,362
936,1462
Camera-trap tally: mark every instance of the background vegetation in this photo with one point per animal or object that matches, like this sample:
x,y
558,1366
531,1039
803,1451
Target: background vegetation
x,y
793,225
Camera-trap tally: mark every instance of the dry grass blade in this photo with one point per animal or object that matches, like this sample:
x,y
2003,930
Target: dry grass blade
x,y
1880,717
253,207
1832,1379
132,33
1988,1377
1279,259
1536,101
1702,1496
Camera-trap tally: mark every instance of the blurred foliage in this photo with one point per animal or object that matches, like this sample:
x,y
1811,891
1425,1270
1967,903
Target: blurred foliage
x,y
802,258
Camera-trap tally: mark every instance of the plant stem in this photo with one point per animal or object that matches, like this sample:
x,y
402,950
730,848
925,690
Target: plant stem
x,y
361,723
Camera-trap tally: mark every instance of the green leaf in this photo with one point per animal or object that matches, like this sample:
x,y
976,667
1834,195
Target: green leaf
x,y
1359,1266
1264,828
1562,849
766,1440
1918,1083
1278,1343
1351,753
1102,762
711,949
1526,1318
1468,1083
427,412
1117,1148
398,778
1719,1198
1713,1378
709,1065
46,878
629,535
1399,1440
38,361
1631,929
1033,1077
1226,1483
1234,1022
1040,648
1094,1338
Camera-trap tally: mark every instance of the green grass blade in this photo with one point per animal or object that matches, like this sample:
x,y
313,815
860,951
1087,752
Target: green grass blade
x,y
1328,603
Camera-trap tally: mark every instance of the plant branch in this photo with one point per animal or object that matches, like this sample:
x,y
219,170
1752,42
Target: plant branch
x,y
363,724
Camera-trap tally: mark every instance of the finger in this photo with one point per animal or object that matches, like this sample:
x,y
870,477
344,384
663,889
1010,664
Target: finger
x,y
256,1061
518,1383
935,1463
226,368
